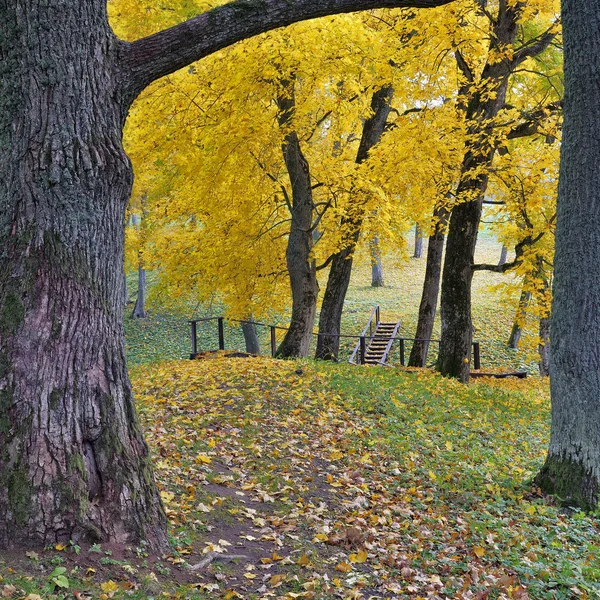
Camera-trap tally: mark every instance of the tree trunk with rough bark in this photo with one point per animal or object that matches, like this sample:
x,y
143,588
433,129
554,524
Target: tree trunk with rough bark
x,y
251,337
139,310
431,288
300,264
73,464
376,266
572,467
483,104
73,461
418,253
330,319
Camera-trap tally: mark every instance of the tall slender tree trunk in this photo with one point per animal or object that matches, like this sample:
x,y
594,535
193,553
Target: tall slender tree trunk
x,y
418,253
139,310
484,103
73,462
300,264
517,328
340,271
431,288
572,468
376,265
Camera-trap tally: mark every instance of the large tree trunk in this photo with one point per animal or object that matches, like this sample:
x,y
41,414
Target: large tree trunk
x,y
300,264
572,468
73,463
330,319
139,310
431,288
484,104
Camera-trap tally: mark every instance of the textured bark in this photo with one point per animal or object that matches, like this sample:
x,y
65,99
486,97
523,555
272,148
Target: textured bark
x,y
572,468
172,49
457,276
251,337
73,461
418,253
517,328
300,264
330,319
139,310
503,256
376,266
431,289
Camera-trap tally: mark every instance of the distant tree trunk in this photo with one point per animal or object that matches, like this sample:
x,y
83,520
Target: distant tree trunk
x,y
457,276
418,253
572,467
340,271
517,328
125,290
544,346
301,266
431,287
376,266
139,311
503,256
251,337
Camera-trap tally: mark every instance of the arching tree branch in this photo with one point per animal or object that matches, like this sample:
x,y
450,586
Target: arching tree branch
x,y
155,56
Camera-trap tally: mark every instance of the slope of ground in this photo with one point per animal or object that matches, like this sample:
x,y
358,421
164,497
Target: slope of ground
x,y
304,480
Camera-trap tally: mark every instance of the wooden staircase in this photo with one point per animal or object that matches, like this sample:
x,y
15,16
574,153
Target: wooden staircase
x,y
376,341
381,343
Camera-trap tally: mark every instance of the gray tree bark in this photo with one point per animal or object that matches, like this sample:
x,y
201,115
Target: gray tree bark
x,y
251,337
572,467
73,461
503,256
431,289
139,310
376,265
481,105
330,319
301,267
517,328
418,253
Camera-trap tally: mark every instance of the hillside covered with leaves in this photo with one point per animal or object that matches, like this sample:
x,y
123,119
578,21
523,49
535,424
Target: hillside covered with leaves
x,y
308,480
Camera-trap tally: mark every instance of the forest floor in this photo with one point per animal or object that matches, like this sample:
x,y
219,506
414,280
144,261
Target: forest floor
x,y
308,480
